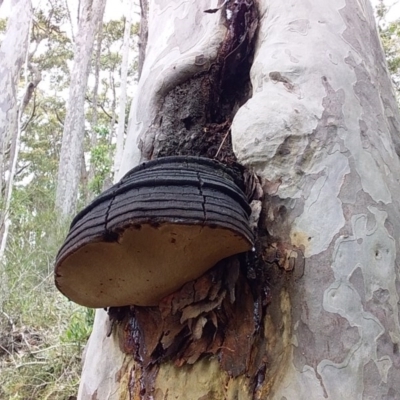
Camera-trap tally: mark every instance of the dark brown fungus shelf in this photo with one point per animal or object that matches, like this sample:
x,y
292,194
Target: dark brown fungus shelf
x,y
165,223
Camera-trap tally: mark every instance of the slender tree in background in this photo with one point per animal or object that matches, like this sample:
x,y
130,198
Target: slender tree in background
x,y
13,52
15,144
102,135
89,175
123,89
320,127
69,172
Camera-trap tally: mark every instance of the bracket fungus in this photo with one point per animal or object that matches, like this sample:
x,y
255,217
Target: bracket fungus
x,y
164,224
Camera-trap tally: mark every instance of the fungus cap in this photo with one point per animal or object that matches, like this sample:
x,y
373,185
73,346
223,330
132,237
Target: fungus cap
x,y
164,224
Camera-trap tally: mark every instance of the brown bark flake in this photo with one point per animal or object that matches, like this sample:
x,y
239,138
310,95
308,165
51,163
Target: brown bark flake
x,y
218,314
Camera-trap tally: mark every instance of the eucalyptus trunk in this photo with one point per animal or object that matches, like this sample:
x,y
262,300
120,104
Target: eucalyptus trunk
x,y
15,144
12,56
13,52
89,175
123,89
302,95
69,172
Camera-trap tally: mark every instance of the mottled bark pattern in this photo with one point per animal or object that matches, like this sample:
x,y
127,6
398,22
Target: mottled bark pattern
x,y
329,169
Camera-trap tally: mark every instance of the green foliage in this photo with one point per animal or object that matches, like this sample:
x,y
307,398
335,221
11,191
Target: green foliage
x,y
390,38
101,161
113,31
41,332
79,327
52,48
3,25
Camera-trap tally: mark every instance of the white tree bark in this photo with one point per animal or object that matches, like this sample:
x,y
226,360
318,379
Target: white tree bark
x,y
74,127
15,144
123,89
321,130
12,54
88,176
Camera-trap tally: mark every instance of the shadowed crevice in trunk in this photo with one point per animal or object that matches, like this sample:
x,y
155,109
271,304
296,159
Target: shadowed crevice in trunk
x,y
196,116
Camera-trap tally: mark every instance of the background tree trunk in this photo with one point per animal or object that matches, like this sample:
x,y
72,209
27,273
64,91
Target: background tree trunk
x,y
123,89
74,127
15,144
90,174
320,129
13,51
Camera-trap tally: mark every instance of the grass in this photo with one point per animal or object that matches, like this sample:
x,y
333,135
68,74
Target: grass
x,y
42,334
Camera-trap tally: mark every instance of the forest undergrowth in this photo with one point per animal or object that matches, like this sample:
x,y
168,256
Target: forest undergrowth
x,y
42,334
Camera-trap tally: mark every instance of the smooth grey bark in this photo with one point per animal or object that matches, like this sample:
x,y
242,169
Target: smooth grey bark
x,y
143,33
74,126
321,131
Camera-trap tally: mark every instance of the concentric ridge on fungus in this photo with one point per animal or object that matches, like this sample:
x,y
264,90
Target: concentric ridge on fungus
x,y
165,223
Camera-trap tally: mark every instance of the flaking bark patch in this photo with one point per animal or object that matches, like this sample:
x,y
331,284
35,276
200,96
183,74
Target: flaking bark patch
x,y
220,314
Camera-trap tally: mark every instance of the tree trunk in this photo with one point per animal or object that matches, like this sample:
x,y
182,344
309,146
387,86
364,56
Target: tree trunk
x,y
313,313
122,98
74,127
90,175
13,51
15,145
12,55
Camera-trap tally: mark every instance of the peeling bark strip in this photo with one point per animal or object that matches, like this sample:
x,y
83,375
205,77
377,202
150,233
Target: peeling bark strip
x,y
219,314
